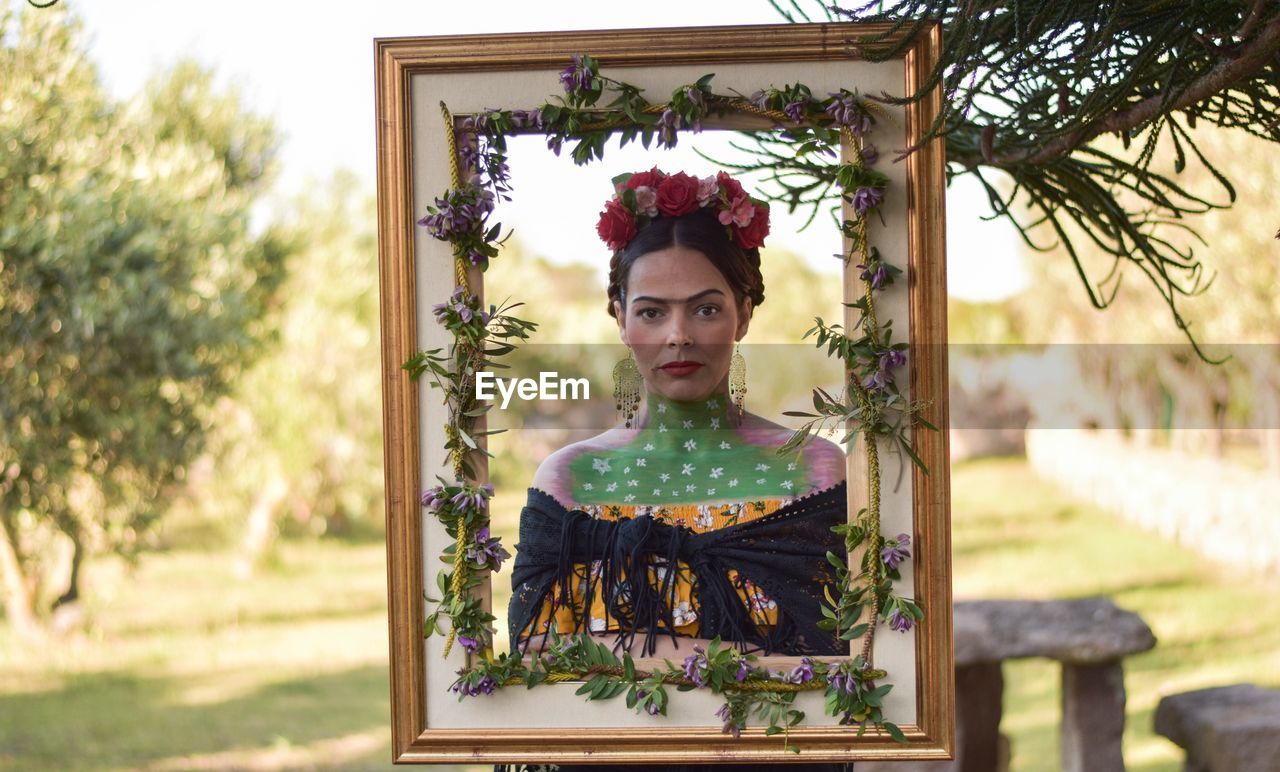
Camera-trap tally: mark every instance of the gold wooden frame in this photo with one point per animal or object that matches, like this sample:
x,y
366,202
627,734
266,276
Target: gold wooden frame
x,y
397,61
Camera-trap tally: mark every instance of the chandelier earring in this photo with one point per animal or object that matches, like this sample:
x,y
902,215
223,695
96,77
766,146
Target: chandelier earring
x,y
627,385
738,379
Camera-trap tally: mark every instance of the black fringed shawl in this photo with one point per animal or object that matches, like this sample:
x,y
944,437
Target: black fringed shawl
x,y
783,553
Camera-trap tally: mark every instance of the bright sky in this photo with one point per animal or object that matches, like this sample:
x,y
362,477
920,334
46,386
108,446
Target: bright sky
x,y
310,65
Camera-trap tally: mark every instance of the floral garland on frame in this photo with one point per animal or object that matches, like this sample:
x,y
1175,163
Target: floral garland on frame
x,y
871,405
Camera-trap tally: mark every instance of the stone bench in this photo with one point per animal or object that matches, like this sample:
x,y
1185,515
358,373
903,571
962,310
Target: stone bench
x,y
1090,637
1224,729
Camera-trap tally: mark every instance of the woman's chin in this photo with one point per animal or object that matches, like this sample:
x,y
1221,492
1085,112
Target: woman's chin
x,y
685,391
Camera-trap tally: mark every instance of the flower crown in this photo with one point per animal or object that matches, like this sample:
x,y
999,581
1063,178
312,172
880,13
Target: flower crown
x,y
641,198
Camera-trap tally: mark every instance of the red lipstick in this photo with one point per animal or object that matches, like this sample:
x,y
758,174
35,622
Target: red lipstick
x,y
680,368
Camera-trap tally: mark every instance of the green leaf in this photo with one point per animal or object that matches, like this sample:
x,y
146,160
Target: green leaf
x,y
894,732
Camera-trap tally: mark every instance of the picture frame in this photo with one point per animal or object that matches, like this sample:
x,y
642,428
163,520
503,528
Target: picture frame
x,y
551,724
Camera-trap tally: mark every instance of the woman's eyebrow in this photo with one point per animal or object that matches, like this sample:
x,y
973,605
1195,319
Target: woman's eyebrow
x,y
666,302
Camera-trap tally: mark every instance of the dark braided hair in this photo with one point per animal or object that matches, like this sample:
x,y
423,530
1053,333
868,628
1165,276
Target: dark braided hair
x,y
699,230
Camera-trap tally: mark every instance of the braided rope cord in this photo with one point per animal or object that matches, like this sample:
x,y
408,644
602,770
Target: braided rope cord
x,y
460,277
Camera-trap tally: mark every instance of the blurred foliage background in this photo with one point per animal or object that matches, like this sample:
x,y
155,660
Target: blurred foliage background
x,y
191,492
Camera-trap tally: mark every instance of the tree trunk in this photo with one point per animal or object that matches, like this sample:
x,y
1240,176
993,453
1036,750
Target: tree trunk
x,y
258,531
19,598
73,574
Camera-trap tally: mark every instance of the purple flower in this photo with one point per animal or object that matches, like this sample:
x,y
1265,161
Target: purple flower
x,y
844,109
892,359
695,666
554,144
470,644
876,381
433,498
895,551
487,551
667,126
838,681
866,199
802,672
462,686
899,621
744,670
760,99
693,95
878,276
651,707
725,714
842,680
575,78
870,154
526,119
795,110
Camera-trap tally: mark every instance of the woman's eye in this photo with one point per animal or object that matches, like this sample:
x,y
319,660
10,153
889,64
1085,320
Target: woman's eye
x,y
707,310
647,313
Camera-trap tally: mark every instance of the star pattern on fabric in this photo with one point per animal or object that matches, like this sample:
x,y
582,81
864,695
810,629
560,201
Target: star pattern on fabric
x,y
716,472
687,423
724,445
664,477
687,469
601,465
690,445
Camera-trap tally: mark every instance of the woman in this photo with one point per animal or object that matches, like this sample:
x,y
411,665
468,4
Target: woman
x,y
683,523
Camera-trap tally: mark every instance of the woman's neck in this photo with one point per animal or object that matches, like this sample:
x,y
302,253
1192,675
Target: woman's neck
x,y
685,452
668,418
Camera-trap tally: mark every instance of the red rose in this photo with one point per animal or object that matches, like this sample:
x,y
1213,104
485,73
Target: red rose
x,y
752,234
731,187
677,195
617,226
649,179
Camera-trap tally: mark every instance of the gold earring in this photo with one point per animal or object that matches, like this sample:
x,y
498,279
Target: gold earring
x,y
626,388
738,379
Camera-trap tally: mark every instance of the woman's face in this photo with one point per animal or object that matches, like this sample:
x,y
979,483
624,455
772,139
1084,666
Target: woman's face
x,y
681,321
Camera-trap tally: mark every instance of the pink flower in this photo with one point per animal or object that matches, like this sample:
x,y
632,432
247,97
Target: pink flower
x,y
708,187
739,212
646,201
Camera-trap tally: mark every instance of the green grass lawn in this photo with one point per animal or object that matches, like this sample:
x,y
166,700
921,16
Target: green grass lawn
x,y
183,666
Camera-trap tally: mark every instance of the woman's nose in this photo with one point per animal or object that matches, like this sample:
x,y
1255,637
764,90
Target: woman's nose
x,y
678,332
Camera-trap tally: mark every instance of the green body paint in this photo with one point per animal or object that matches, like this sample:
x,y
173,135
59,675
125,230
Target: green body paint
x,y
686,452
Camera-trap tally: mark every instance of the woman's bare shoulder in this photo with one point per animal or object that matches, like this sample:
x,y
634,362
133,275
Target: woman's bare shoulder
x,y
554,476
824,459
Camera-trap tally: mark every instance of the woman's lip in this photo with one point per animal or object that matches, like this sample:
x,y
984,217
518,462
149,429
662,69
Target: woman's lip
x,y
680,368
